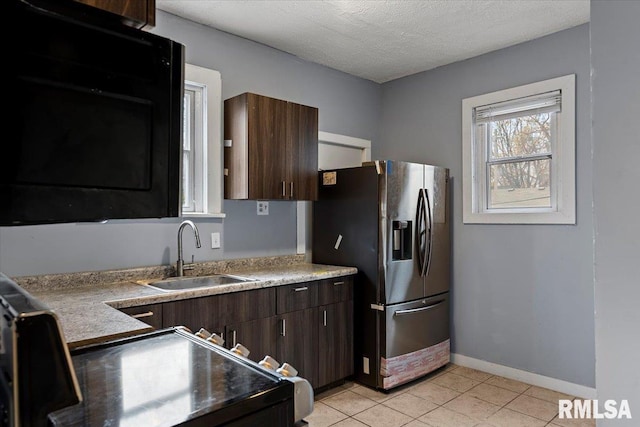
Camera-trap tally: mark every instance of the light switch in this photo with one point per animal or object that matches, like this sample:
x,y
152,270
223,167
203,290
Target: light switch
x,y
215,240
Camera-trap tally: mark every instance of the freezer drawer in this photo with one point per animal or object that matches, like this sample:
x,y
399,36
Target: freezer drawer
x,y
416,325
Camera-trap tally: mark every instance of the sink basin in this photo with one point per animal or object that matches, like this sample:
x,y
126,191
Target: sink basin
x,y
184,283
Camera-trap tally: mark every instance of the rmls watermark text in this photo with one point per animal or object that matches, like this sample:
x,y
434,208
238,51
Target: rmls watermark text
x,y
586,408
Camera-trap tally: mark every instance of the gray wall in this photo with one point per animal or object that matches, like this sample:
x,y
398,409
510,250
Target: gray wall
x,y
347,105
522,294
615,56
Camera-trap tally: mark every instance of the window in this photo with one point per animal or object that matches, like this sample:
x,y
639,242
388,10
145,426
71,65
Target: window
x,y
519,154
201,188
193,148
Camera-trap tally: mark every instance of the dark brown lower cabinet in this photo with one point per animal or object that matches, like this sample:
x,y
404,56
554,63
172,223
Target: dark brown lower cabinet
x,y
298,342
259,336
308,325
214,312
150,314
335,349
193,313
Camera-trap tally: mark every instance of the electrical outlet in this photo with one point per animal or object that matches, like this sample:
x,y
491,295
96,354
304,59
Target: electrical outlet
x,y
215,240
262,207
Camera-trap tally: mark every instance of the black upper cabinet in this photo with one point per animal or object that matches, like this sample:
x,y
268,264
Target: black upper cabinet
x,y
95,119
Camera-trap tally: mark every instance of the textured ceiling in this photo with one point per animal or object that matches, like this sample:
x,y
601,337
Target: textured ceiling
x,y
385,40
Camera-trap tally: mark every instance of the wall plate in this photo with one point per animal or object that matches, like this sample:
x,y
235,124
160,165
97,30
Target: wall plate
x,y
262,207
215,240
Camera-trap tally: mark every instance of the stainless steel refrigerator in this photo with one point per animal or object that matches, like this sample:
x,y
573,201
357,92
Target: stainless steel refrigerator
x,y
390,219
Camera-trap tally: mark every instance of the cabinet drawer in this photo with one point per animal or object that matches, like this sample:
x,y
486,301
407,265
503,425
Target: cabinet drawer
x,y
335,290
297,297
217,310
149,314
430,316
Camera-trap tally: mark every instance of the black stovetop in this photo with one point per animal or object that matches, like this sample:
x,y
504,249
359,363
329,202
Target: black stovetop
x,y
166,378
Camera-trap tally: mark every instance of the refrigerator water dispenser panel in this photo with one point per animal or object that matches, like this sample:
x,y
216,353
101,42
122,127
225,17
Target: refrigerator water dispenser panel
x,y
402,240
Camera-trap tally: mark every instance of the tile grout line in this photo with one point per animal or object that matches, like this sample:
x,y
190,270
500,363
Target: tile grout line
x,y
504,406
412,418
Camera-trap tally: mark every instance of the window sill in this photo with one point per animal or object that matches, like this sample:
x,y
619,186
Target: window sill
x,y
203,215
520,218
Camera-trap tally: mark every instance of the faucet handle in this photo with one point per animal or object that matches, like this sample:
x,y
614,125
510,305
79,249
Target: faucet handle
x,y
189,266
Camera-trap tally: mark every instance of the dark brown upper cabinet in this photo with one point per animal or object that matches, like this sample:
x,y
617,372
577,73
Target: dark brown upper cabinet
x,y
134,13
271,149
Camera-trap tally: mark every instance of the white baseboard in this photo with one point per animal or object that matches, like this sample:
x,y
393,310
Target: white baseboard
x,y
525,377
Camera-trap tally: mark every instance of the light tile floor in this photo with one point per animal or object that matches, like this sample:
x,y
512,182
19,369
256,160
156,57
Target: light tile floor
x,y
453,396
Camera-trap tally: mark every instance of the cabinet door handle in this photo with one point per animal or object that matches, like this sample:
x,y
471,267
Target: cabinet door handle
x,y
284,189
143,315
283,332
338,283
324,317
233,338
304,288
291,190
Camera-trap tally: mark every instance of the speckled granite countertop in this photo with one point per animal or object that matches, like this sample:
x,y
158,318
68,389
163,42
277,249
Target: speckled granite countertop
x,y
88,308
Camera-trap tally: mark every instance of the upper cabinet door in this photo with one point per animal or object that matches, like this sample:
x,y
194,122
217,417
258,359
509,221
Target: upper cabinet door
x,y
267,136
134,13
303,151
271,149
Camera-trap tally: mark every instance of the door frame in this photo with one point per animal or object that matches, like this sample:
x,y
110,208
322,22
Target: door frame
x,y
303,209
346,141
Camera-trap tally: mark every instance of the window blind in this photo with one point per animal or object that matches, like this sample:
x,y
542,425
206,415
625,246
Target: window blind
x,y
549,102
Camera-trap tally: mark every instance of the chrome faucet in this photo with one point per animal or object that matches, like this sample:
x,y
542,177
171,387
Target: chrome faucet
x,y
180,266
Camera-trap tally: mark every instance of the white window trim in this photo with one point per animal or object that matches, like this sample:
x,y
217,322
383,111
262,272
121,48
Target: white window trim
x,y
213,167
198,148
563,157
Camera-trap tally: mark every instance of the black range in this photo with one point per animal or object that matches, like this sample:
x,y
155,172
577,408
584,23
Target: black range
x,y
169,378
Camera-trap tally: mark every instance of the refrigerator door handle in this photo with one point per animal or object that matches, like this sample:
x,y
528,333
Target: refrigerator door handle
x,y
417,310
429,222
419,231
423,231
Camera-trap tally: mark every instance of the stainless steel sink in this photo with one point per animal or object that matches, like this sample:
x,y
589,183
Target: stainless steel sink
x,y
184,283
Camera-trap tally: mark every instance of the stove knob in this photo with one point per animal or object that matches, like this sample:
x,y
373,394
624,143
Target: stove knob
x,y
241,350
269,363
287,370
203,333
216,339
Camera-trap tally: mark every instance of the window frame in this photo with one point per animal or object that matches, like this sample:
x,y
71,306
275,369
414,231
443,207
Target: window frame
x,y
562,174
197,150
208,170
